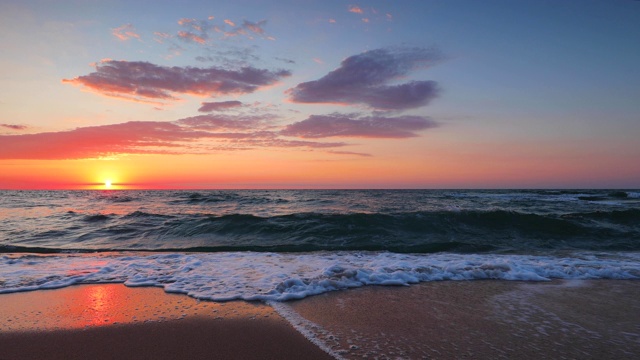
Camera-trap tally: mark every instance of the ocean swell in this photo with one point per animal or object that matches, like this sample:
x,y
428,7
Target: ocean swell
x,y
408,232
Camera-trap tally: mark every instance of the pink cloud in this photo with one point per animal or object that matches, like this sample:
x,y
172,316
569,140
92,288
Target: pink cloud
x,y
161,37
219,106
125,32
185,21
257,28
194,135
340,125
355,9
95,141
364,79
199,30
143,81
189,36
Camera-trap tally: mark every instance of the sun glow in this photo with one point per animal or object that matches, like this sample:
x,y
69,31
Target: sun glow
x,y
107,184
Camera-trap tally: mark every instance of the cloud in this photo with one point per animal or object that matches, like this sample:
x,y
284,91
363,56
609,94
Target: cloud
x,y
125,32
187,22
349,153
201,31
161,37
94,141
230,56
341,125
364,79
224,123
195,135
256,28
189,36
247,28
143,81
197,31
355,9
288,61
219,106
14,126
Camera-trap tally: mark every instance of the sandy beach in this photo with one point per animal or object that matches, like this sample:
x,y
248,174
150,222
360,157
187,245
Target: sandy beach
x,y
439,320
113,321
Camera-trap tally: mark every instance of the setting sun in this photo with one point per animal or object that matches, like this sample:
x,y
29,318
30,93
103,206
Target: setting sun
x,y
107,184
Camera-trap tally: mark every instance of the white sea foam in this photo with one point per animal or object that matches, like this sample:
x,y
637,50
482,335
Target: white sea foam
x,y
283,276
312,331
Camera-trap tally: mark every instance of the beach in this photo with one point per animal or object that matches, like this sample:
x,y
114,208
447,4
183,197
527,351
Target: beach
x,y
112,321
585,319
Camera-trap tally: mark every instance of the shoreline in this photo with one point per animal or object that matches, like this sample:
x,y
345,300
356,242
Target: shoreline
x,y
484,319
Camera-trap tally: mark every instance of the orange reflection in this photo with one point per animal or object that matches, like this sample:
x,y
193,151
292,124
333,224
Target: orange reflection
x,y
83,306
98,303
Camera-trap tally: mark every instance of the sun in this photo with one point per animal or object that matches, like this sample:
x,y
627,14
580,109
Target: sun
x,y
107,184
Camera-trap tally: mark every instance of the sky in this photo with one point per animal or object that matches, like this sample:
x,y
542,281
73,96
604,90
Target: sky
x,y
319,94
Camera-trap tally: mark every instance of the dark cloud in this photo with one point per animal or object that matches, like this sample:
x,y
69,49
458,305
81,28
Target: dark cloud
x,y
340,125
288,61
219,105
143,81
14,126
365,79
194,135
349,153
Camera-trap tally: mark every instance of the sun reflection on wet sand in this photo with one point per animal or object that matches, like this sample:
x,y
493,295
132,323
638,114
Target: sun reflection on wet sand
x,y
110,304
98,304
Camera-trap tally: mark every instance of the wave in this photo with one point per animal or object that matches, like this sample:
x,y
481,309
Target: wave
x,y
625,217
405,232
281,277
96,217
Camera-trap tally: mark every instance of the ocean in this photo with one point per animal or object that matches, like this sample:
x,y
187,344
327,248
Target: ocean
x,y
278,245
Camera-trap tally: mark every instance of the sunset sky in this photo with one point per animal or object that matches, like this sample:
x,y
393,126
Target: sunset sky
x,y
319,94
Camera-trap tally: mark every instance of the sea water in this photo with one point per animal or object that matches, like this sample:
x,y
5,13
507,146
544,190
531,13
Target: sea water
x,y
277,245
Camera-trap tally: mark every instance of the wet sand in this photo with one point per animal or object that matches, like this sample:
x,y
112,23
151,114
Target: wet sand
x,y
597,319
116,322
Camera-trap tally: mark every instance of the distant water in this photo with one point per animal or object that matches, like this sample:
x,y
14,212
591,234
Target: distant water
x,y
284,244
